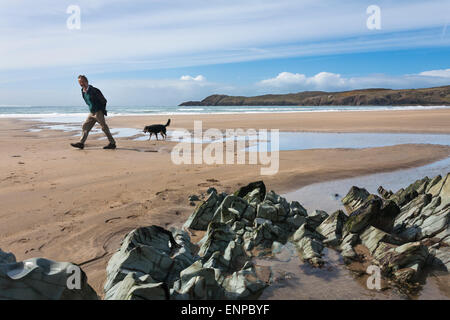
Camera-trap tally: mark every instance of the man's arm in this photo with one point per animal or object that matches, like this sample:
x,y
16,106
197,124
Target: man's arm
x,y
101,98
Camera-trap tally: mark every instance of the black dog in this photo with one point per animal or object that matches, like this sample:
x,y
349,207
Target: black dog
x,y
157,128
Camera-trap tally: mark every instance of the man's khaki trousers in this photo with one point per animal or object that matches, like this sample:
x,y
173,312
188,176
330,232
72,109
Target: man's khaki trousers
x,y
89,124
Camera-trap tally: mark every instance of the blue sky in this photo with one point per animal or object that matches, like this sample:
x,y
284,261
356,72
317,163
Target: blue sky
x,y
167,51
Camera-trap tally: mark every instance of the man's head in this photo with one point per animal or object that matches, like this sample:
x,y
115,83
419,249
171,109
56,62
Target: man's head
x,y
83,81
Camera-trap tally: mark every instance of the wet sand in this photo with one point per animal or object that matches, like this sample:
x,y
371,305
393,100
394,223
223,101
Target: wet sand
x,y
76,205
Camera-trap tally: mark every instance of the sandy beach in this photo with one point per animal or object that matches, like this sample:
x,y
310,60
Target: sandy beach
x,y
76,205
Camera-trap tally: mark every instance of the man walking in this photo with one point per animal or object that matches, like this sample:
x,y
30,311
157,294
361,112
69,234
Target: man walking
x,y
97,107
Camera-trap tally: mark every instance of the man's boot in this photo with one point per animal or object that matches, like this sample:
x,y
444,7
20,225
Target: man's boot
x,y
78,145
110,146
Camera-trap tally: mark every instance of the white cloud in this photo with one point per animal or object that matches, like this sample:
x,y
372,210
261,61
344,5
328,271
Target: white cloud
x,y
190,78
326,81
322,80
124,35
173,91
285,78
437,73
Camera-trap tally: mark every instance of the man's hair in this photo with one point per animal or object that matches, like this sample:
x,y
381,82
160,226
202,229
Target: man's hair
x,y
83,77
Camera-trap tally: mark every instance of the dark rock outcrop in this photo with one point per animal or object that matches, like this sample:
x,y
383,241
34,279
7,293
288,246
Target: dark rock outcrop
x,y
42,279
437,96
405,231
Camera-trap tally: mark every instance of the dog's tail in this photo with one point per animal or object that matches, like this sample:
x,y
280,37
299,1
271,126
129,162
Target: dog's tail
x,y
167,124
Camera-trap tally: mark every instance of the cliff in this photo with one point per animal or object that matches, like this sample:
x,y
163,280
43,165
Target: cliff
x,y
367,97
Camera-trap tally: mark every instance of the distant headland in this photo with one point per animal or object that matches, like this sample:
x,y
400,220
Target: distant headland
x,y
366,97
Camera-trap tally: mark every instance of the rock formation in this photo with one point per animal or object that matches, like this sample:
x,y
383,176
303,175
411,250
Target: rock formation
x,y
402,231
42,279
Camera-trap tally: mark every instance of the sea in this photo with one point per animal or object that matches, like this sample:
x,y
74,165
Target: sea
x,y
12,111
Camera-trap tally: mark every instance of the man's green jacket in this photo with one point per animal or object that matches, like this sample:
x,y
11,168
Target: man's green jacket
x,y
94,99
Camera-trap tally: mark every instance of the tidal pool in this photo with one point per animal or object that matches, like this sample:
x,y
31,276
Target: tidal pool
x,y
327,195
294,279
287,140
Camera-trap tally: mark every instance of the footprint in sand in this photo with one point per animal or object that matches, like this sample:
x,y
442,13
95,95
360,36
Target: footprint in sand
x,y
112,219
23,240
115,205
203,184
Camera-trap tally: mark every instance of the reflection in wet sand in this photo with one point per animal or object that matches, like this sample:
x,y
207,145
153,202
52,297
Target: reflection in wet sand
x,y
295,280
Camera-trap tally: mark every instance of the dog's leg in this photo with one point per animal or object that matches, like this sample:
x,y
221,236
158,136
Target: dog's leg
x,y
150,136
157,136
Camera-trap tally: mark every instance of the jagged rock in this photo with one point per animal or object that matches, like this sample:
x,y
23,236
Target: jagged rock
x,y
444,193
310,250
287,217
375,212
426,216
435,224
133,287
253,193
295,222
306,231
42,279
7,257
410,211
232,209
149,251
332,227
276,209
136,286
403,196
384,193
297,209
204,212
419,219
355,198
267,211
434,185
309,244
197,282
372,236
244,284
402,262
217,238
439,257
346,247
314,219
264,234
207,281
277,247
234,258
193,197
295,217
211,190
